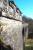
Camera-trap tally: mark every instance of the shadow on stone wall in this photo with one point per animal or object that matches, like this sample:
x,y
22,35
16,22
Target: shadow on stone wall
x,y
2,47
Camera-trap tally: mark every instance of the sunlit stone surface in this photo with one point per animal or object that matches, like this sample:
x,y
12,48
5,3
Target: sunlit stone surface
x,y
11,29
12,33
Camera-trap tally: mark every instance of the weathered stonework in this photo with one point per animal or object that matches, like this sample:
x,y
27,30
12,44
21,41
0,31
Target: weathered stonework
x,y
12,33
11,25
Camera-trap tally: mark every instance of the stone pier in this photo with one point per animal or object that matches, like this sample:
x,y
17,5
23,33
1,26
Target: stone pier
x,y
11,25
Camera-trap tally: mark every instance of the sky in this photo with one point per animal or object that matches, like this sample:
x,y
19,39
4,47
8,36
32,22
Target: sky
x,y
26,7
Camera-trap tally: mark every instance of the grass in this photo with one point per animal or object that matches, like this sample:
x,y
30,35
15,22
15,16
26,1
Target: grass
x,y
28,48
29,44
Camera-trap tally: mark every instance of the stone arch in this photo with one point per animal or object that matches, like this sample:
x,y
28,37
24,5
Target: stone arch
x,y
0,11
23,31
